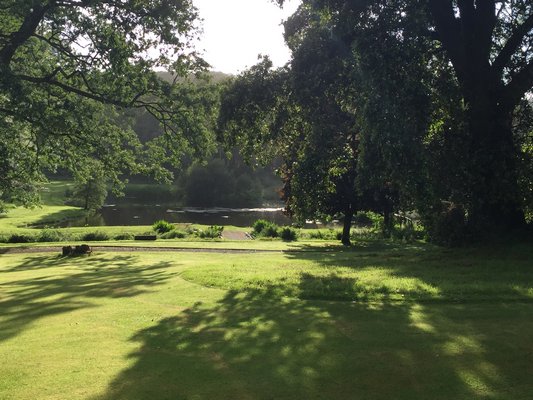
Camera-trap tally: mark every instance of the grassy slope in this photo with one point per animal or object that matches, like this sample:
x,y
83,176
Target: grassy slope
x,y
139,326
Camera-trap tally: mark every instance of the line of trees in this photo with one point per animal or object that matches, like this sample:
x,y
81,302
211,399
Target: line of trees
x,y
385,105
398,105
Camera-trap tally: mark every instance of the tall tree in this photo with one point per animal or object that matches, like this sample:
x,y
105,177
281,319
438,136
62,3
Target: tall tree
x,y
299,114
488,46
64,66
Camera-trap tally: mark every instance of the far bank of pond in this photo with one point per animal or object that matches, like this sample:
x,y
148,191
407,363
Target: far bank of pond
x,y
126,215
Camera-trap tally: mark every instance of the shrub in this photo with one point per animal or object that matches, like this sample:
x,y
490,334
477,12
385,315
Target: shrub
x,y
162,226
446,224
259,225
212,232
17,238
4,239
364,219
51,235
97,236
270,230
124,236
263,228
174,234
330,234
288,234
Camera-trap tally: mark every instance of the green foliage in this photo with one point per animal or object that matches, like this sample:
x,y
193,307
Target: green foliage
x,y
212,232
362,218
446,224
259,225
97,236
330,234
174,234
68,72
52,235
124,236
264,228
21,238
288,234
90,189
280,113
162,226
432,123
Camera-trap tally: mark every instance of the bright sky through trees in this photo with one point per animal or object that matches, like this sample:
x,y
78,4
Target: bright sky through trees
x,y
236,31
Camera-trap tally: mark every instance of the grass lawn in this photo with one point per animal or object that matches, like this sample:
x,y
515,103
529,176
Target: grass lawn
x,y
380,321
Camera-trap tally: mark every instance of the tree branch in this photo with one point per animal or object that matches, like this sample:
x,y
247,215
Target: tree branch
x,y
448,31
84,93
26,30
512,45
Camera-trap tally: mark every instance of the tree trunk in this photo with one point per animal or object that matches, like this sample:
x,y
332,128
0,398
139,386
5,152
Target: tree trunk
x,y
348,215
494,191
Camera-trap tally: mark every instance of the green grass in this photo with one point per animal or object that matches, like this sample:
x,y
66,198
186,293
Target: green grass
x,y
19,220
249,326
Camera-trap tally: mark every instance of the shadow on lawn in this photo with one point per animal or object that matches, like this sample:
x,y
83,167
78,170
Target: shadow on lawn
x,y
60,217
25,300
429,273
256,345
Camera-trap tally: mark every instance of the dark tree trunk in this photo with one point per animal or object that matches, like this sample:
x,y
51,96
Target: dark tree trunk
x,y
493,201
348,215
494,191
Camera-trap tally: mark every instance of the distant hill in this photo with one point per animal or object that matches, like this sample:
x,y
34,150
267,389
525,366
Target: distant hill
x,y
215,76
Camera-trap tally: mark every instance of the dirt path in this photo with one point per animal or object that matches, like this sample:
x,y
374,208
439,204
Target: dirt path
x,y
235,235
52,249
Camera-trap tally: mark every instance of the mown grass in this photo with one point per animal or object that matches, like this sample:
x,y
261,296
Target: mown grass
x,y
382,271
147,326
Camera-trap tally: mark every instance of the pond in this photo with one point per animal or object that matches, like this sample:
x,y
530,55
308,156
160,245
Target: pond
x,y
124,215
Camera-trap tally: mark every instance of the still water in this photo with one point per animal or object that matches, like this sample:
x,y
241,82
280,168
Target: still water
x,y
123,215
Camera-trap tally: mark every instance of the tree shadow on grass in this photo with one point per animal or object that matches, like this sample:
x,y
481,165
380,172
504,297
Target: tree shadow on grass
x,y
70,286
428,274
256,345
362,247
61,218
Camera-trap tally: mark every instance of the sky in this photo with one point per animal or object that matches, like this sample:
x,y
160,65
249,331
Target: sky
x,y
236,31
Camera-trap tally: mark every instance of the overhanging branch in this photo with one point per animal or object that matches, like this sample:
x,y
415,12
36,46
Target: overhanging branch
x,y
512,45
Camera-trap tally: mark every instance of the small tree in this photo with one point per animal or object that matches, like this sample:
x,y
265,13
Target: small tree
x,y
90,194
90,191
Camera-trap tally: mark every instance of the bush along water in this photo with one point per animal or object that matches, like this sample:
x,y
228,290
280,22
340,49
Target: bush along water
x,y
97,236
162,226
213,232
174,234
124,236
288,234
266,229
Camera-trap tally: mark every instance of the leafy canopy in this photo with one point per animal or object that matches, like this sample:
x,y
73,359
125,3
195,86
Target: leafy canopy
x,y
66,66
